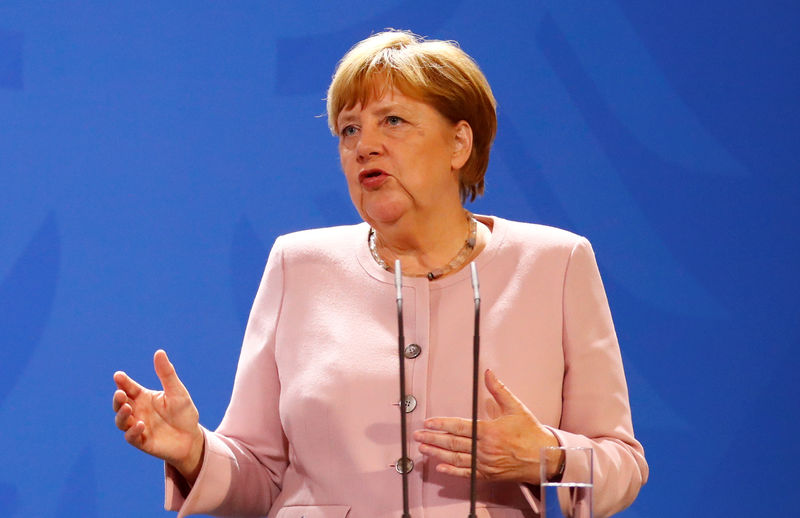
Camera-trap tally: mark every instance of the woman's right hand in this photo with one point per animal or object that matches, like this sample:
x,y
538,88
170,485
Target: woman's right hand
x,y
163,423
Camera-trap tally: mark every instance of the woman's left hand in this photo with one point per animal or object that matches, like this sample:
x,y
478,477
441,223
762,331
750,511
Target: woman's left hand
x,y
508,444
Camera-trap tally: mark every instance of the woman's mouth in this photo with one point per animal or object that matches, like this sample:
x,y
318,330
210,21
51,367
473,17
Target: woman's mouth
x,y
372,179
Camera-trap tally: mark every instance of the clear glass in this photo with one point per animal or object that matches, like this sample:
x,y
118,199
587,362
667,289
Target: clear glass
x,y
566,494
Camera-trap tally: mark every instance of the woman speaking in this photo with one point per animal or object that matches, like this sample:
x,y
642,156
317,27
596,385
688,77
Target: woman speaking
x,y
312,426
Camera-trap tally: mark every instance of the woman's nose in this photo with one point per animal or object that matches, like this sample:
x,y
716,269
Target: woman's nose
x,y
369,144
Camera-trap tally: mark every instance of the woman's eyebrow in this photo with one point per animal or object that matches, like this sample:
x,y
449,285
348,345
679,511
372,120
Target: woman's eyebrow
x,y
346,117
389,108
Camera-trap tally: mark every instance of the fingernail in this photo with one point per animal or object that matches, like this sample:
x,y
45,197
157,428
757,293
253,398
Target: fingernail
x,y
433,425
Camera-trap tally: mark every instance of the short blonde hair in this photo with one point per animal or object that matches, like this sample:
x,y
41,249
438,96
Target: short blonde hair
x,y
433,71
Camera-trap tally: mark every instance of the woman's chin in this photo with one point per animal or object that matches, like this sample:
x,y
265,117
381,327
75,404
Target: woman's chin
x,y
385,213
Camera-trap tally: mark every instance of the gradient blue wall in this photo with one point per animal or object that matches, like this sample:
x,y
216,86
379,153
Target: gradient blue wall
x,y
151,152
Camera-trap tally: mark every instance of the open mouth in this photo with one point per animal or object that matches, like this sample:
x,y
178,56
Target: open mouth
x,y
368,175
372,179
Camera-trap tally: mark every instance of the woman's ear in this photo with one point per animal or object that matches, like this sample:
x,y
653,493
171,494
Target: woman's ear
x,y
462,144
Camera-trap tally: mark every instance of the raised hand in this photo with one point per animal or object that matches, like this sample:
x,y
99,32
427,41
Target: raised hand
x,y
508,444
163,423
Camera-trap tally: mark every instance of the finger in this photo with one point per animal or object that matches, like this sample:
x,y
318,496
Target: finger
x,y
134,434
123,418
456,471
444,440
452,458
454,425
167,375
509,404
127,384
120,398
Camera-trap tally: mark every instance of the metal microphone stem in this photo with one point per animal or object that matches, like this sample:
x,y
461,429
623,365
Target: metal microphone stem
x,y
476,347
404,460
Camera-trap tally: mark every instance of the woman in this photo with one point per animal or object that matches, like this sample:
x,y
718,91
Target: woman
x,y
311,429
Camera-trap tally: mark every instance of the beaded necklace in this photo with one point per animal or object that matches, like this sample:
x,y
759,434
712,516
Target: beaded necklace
x,y
455,263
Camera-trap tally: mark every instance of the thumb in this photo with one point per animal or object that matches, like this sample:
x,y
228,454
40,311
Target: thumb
x,y
167,375
508,402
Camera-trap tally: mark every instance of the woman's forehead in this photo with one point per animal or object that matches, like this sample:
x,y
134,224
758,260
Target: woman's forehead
x,y
376,88
387,100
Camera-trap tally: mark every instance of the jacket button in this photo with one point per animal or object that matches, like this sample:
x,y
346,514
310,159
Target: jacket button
x,y
412,350
409,403
404,465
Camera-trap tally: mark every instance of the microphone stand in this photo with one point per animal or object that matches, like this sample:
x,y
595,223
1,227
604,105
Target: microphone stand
x,y
404,462
476,347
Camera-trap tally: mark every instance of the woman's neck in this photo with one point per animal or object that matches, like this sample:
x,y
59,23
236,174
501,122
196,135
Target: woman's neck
x,y
424,244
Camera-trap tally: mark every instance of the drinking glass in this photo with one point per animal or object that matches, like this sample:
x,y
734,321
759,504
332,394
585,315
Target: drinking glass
x,y
567,492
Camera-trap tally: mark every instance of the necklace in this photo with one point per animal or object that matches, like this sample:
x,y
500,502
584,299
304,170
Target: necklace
x,y
456,262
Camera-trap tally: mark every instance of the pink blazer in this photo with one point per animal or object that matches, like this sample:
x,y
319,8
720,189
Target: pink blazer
x,y
312,429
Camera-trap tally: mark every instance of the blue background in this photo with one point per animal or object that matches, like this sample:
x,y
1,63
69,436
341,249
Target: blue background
x,y
151,152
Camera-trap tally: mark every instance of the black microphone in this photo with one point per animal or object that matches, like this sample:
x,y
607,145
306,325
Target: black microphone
x,y
404,465
476,348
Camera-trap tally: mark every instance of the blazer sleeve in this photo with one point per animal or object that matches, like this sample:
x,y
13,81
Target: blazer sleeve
x,y
596,412
246,457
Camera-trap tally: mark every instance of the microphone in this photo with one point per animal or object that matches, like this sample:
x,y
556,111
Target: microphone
x,y
404,465
476,347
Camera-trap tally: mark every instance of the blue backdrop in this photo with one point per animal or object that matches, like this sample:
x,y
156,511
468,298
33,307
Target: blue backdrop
x,y
151,152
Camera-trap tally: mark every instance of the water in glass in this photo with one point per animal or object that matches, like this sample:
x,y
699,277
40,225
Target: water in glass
x,y
567,500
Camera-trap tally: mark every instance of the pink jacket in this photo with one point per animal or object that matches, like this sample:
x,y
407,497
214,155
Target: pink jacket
x,y
312,429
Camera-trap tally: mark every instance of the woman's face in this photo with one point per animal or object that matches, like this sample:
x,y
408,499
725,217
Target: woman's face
x,y
400,156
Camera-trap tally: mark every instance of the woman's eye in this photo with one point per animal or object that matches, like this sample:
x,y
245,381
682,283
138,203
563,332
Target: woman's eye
x,y
393,120
349,131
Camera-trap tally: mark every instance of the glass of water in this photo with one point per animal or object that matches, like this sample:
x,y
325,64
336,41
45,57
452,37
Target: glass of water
x,y
566,482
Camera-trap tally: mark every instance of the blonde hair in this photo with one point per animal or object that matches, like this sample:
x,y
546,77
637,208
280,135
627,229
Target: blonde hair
x,y
433,71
